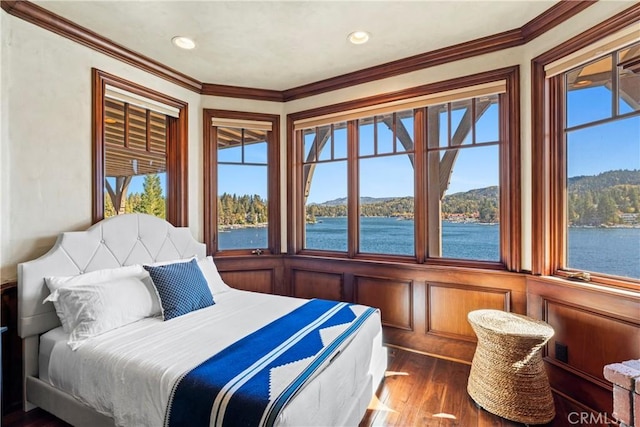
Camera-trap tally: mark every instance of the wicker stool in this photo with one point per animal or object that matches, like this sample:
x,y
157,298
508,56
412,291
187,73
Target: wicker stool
x,y
508,377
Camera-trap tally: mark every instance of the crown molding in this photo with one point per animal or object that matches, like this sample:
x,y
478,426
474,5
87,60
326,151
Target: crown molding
x,y
552,17
605,28
242,92
447,54
549,19
426,89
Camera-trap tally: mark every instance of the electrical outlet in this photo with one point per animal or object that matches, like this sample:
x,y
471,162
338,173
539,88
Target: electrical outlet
x,y
562,352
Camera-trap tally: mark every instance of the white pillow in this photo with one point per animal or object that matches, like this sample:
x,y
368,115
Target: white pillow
x,y
211,275
101,276
94,308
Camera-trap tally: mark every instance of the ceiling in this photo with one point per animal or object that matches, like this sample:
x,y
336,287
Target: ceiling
x,y
281,45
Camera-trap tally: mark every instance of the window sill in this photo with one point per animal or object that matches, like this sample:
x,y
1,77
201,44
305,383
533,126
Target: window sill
x,y
626,289
599,280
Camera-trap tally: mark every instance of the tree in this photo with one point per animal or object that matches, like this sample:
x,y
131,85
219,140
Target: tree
x,y
488,211
606,211
152,201
134,203
109,210
586,209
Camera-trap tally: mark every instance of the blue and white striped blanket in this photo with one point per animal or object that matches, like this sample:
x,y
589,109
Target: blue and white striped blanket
x,y
250,382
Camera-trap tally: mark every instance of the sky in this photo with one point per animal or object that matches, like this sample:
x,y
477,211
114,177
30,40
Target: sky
x,y
592,150
392,176
475,167
137,181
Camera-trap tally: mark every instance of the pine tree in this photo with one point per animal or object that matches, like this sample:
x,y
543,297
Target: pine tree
x,y
109,210
634,200
488,211
152,201
606,210
134,204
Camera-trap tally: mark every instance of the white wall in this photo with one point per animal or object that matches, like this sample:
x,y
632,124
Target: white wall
x,y
45,127
46,138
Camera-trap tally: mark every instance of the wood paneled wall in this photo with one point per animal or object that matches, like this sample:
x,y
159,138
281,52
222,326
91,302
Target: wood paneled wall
x,y
393,297
262,273
313,284
597,325
11,349
424,308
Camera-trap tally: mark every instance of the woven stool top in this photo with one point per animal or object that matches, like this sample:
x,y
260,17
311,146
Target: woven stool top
x,y
505,323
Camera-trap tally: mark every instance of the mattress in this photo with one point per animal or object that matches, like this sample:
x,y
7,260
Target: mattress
x,y
128,373
49,340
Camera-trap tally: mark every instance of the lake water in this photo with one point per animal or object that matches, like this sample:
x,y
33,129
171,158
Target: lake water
x,y
608,250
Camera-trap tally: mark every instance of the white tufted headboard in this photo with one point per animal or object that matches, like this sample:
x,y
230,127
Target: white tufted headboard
x,y
114,242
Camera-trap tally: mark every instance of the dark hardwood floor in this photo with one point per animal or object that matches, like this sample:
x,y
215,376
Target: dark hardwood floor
x,y
425,391
418,391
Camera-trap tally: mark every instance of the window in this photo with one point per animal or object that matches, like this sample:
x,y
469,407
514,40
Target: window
x,y
139,151
385,180
385,143
325,187
602,182
241,182
423,179
135,160
463,164
591,157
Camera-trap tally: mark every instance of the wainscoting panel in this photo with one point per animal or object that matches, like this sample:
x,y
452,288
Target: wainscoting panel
x,y
313,284
424,307
252,280
392,296
578,329
448,306
263,273
597,325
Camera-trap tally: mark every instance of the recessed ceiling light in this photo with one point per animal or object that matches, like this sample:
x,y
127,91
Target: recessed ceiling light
x,y
358,37
183,42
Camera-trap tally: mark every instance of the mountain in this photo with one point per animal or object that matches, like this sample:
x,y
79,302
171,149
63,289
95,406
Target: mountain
x,y
604,180
363,201
480,204
477,193
610,198
369,206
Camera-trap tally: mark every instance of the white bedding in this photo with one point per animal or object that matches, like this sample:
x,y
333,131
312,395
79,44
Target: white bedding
x,y
128,373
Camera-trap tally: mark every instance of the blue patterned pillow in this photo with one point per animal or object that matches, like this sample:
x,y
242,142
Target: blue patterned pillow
x,y
181,287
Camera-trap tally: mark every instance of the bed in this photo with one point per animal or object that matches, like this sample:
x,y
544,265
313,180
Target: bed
x,y
226,362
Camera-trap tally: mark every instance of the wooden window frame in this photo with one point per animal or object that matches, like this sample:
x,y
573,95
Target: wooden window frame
x,y
177,147
549,156
510,217
211,182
